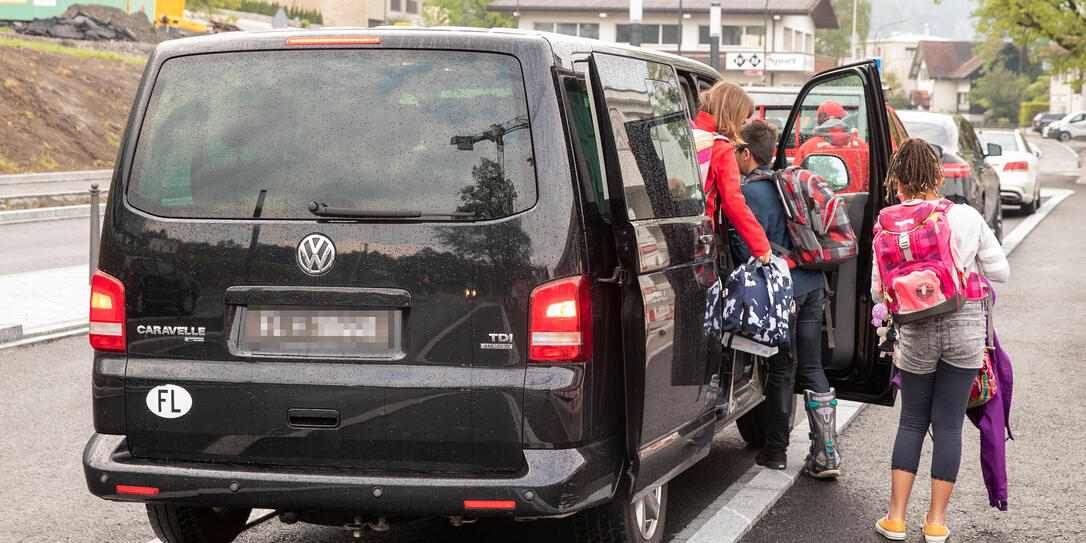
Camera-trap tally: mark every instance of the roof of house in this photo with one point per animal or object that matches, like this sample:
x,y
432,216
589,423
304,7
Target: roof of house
x,y
948,59
821,11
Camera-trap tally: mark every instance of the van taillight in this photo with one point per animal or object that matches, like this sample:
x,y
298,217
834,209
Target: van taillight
x,y
956,170
345,40
106,313
560,326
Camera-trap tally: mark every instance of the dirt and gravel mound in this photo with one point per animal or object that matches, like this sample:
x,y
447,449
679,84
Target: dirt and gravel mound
x,y
62,112
95,22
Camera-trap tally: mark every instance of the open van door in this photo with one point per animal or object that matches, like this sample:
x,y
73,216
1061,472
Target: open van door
x,y
667,258
849,144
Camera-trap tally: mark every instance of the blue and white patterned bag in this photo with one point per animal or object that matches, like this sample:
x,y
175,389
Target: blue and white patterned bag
x,y
757,304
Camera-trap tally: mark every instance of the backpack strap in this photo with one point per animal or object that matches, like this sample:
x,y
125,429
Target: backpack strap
x,y
828,293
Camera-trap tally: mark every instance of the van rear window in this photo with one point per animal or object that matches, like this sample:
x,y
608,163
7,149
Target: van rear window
x,y
432,134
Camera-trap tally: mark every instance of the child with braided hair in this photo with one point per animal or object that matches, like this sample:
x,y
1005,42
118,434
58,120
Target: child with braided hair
x,y
937,358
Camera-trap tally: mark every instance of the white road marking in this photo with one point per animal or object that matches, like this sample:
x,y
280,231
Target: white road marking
x,y
1055,196
747,500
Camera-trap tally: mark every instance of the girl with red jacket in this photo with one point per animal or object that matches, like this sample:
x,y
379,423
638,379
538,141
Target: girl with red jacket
x,y
723,109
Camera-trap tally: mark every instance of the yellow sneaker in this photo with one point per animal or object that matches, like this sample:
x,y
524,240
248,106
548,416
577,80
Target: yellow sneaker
x,y
935,533
894,530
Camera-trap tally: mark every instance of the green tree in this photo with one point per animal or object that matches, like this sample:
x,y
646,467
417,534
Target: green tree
x,y
1033,23
464,13
999,92
1038,90
836,43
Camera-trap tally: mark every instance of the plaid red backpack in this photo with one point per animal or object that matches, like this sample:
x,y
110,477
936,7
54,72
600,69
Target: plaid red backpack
x,y
818,224
919,271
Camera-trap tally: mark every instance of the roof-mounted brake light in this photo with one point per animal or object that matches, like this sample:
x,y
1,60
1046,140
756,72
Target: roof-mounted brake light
x,y
346,40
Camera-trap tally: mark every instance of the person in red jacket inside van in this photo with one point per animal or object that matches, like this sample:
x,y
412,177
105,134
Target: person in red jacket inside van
x,y
833,137
723,109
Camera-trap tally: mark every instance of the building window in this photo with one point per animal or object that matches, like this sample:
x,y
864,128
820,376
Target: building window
x,y
650,34
753,36
412,6
787,45
569,29
963,101
584,30
395,5
749,36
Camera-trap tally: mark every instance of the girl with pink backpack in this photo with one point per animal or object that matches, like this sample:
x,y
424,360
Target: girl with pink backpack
x,y
929,258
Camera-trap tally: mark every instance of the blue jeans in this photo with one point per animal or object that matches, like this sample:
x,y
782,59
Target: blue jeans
x,y
802,365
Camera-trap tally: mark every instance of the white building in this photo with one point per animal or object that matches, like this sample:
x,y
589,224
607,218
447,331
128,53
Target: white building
x,y
789,26
896,51
1062,98
943,72
380,11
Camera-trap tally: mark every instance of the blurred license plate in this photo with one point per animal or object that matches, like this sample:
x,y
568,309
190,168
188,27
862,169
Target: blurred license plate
x,y
307,331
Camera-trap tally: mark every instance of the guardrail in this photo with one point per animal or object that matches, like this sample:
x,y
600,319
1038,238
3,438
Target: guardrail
x,y
52,177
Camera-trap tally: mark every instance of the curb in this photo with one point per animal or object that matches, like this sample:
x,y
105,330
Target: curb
x,y
91,175
47,213
750,497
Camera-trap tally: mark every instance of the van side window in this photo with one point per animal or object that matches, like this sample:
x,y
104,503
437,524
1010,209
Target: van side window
x,y
586,153
654,140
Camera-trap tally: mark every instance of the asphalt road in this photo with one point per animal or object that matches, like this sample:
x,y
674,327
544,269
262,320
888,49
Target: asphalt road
x,y
1039,321
42,245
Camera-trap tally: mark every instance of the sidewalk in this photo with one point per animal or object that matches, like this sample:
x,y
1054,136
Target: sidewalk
x,y
43,302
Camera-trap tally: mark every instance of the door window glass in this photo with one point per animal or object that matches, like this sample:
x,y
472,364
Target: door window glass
x,y
584,142
653,137
833,120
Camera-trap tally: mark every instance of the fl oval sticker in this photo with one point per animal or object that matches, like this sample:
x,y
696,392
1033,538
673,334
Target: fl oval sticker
x,y
169,401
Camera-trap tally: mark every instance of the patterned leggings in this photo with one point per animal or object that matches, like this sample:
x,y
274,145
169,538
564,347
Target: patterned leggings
x,y
937,399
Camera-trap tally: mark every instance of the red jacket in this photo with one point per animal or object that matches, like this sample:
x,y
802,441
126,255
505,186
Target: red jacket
x,y
722,185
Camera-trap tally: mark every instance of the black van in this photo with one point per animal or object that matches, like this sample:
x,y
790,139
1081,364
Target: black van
x,y
434,273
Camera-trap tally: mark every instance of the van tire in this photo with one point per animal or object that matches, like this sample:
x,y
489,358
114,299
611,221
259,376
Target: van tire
x,y
184,524
617,522
751,426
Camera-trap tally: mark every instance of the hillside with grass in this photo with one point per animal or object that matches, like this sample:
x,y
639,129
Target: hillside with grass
x,y
62,108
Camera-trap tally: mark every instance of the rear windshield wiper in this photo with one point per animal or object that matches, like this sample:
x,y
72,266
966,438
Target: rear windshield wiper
x,y
322,210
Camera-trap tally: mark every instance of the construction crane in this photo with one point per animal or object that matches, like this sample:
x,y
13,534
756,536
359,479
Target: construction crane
x,y
495,133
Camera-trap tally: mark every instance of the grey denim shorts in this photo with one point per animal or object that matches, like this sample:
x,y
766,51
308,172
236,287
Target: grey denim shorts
x,y
957,339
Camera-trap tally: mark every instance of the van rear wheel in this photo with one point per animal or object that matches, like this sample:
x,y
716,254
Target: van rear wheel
x,y
183,524
624,520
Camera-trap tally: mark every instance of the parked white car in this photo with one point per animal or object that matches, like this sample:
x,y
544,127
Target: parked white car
x,y
1017,167
1072,125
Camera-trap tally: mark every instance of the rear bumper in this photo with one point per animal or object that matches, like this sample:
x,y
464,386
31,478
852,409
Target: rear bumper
x,y
1016,188
560,481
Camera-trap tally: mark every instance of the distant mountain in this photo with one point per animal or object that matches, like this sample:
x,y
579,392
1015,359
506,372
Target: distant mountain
x,y
947,19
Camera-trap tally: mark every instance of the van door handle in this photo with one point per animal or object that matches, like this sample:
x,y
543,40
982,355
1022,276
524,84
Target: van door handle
x,y
705,239
313,418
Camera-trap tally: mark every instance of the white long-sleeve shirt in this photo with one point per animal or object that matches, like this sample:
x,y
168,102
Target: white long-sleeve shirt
x,y
978,247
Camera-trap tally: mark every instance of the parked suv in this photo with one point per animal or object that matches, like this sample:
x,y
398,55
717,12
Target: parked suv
x,y
968,178
438,273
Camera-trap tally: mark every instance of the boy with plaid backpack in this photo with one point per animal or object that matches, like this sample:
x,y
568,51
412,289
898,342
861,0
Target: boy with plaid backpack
x,y
760,190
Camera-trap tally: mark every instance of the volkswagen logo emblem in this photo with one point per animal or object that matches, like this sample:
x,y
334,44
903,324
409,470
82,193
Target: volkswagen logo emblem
x,y
316,253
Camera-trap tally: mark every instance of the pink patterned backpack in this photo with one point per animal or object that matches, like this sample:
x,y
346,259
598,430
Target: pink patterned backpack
x,y
919,268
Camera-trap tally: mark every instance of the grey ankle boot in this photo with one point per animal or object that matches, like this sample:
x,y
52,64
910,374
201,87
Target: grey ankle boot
x,y
824,461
